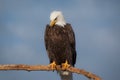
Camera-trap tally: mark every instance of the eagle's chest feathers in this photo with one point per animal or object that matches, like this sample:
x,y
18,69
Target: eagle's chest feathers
x,y
58,39
58,34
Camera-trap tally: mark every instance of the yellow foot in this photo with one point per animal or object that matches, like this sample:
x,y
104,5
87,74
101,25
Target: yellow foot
x,y
53,65
65,65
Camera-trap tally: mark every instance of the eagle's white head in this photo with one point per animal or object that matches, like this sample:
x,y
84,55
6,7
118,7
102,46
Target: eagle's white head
x,y
56,18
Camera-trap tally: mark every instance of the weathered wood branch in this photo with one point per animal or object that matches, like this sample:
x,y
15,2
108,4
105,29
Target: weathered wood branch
x,y
47,68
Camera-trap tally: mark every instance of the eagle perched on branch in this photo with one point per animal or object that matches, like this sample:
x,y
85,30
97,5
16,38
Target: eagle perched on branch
x,y
60,44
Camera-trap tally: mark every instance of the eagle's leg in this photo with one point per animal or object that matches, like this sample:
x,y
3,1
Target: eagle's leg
x,y
52,65
65,65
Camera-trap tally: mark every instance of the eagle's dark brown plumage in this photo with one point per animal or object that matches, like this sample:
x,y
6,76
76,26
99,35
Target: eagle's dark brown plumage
x,y
60,43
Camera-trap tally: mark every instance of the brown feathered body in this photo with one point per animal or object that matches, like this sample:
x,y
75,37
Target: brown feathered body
x,y
60,44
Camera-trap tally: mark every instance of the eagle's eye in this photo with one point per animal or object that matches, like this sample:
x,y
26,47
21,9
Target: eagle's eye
x,y
55,18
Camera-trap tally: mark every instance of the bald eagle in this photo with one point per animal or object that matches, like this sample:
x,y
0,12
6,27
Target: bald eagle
x,y
60,43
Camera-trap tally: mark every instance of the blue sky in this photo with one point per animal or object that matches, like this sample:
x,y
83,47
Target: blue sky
x,y
96,24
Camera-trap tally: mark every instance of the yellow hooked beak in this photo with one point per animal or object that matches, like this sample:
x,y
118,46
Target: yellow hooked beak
x,y
52,23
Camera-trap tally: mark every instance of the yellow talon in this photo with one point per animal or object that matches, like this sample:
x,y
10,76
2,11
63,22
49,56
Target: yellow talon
x,y
65,65
52,65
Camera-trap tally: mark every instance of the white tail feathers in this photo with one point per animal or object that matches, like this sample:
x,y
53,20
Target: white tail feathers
x,y
66,75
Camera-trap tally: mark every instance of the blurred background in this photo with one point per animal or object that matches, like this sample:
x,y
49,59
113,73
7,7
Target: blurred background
x,y
96,24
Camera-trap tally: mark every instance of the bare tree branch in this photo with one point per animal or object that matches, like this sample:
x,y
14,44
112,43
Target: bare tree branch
x,y
47,68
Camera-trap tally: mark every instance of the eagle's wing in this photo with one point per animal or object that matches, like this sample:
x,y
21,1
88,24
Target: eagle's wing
x,y
71,37
46,37
47,42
